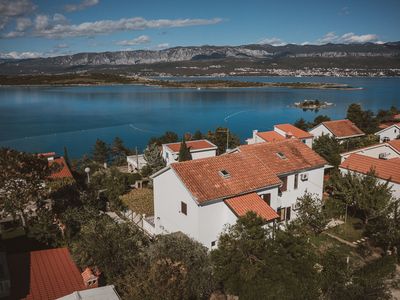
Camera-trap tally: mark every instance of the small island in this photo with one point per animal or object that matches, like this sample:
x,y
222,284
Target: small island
x,y
312,104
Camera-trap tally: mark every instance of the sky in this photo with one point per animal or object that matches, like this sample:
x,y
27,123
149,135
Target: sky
x,y
33,28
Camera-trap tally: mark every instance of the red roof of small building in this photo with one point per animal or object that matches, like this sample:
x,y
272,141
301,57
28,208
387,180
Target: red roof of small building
x,y
240,205
384,169
343,128
395,144
45,274
63,171
294,131
270,136
253,167
193,145
297,156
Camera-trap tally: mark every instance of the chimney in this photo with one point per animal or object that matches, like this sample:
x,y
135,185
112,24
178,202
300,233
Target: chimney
x,y
90,279
255,131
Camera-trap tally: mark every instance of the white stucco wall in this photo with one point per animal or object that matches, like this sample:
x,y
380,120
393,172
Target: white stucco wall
x,y
391,133
168,194
308,141
320,130
395,186
313,185
171,157
374,151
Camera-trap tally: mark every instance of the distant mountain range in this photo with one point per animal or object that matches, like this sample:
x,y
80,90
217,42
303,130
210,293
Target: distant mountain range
x,y
368,55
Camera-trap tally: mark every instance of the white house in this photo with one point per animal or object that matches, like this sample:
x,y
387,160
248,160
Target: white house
x,y
385,169
280,133
389,133
387,150
198,149
200,197
339,129
136,163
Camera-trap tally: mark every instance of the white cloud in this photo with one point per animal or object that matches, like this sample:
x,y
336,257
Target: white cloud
x,y
108,26
41,22
23,24
143,39
20,55
272,41
348,38
162,46
13,34
80,6
62,46
10,9
345,11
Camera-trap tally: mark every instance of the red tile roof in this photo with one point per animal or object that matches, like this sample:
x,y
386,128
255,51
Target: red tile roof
x,y
384,169
343,128
63,171
297,155
395,144
294,131
45,274
240,205
194,145
203,179
253,167
270,136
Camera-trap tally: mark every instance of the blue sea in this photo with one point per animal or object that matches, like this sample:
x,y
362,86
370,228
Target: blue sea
x,y
43,119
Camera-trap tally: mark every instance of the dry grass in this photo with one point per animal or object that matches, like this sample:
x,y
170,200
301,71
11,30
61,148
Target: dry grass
x,y
140,201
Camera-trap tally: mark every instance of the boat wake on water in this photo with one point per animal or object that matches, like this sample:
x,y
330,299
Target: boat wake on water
x,y
236,113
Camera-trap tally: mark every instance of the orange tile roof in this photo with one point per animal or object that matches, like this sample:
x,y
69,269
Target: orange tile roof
x,y
293,130
343,128
298,155
203,179
45,274
240,205
253,167
63,172
270,136
194,145
395,144
384,169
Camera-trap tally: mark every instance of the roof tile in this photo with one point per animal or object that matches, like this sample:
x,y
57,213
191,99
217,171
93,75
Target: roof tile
x,y
293,130
343,128
193,145
270,136
240,205
384,169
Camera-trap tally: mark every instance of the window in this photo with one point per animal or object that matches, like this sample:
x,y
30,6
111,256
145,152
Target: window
x,y
288,213
296,181
224,174
304,141
281,155
266,198
283,188
213,243
166,155
284,213
184,208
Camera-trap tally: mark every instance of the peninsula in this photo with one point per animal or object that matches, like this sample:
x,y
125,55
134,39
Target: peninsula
x,y
104,79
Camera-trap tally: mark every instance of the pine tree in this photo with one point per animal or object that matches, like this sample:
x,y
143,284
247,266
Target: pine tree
x,y
153,157
184,152
101,152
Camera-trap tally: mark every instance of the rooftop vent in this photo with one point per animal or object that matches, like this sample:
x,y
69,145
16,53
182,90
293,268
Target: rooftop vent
x,y
281,155
224,174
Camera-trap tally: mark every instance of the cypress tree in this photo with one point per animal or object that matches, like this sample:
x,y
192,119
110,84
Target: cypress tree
x,y
184,152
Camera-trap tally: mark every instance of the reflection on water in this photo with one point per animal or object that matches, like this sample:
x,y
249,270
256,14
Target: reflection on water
x,y
40,119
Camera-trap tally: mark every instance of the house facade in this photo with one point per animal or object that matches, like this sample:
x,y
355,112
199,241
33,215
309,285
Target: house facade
x,y
341,130
280,133
389,133
201,197
387,150
385,169
198,149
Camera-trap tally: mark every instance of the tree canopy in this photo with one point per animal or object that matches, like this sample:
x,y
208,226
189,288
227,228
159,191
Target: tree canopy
x,y
184,152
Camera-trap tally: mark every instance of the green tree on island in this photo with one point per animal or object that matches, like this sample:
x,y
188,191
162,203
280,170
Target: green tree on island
x,y
184,152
